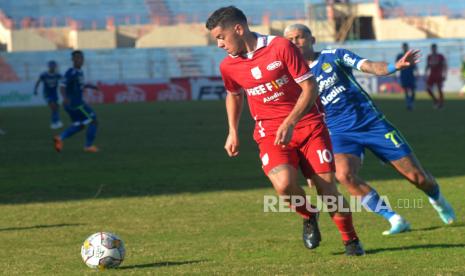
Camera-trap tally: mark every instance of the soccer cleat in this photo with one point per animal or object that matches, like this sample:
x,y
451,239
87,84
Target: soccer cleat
x,y
91,149
58,143
354,248
311,234
56,125
398,225
444,209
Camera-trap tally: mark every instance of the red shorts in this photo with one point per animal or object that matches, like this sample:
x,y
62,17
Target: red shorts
x,y
432,80
310,149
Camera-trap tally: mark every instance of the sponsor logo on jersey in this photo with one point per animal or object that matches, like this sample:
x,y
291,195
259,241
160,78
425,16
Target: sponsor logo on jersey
x,y
348,60
332,95
328,82
327,67
256,73
329,51
273,97
274,65
268,86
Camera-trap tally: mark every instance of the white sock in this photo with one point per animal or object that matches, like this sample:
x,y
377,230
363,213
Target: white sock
x,y
395,219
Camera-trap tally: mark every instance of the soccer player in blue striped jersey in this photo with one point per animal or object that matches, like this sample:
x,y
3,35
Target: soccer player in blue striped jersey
x,y
81,114
50,80
356,124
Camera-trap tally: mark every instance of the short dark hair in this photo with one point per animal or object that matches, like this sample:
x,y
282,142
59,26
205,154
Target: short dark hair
x,y
225,16
77,52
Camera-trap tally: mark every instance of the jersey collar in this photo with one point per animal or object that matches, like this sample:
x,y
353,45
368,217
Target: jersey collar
x,y
315,61
262,41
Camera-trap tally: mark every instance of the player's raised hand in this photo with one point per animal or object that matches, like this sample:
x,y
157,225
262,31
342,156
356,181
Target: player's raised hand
x,y
410,58
232,145
284,134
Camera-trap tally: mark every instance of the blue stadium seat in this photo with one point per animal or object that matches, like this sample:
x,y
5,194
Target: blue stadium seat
x,y
87,11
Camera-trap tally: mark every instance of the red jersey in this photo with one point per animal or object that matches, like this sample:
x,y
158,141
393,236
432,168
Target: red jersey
x,y
270,76
436,63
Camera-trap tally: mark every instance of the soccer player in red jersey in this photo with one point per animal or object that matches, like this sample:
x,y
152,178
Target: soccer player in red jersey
x,y
436,73
289,130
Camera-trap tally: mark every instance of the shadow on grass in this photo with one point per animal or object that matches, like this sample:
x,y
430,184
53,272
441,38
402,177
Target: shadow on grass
x,y
40,226
412,247
432,228
161,264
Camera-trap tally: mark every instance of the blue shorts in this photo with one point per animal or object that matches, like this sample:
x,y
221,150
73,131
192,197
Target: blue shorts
x,y
380,137
408,84
51,97
81,115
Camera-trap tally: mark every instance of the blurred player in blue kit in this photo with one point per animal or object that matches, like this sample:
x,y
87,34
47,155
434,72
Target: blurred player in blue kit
x,y
356,124
50,80
81,115
407,77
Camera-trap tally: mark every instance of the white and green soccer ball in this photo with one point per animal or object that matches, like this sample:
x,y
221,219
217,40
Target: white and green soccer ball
x,y
103,250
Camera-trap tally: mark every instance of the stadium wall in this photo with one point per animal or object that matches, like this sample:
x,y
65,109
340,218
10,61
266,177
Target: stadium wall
x,y
453,28
29,40
175,36
396,29
323,30
5,37
97,39
59,36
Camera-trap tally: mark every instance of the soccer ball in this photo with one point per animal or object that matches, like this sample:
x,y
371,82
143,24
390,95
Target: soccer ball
x,y
103,250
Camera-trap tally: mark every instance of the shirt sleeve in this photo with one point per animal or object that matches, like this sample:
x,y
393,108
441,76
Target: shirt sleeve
x,y
229,83
350,59
294,61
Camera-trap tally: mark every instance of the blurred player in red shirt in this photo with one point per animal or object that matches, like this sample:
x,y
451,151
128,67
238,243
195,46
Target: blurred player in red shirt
x,y
290,130
436,73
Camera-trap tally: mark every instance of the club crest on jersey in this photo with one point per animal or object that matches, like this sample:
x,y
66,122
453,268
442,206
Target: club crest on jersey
x,y
274,65
327,67
256,73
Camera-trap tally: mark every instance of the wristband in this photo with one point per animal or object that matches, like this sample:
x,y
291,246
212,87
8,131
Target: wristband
x,y
391,68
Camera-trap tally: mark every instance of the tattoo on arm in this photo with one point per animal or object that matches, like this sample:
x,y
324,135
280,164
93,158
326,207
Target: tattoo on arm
x,y
376,68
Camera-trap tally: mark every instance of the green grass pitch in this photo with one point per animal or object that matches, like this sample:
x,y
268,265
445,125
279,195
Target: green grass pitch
x,y
164,184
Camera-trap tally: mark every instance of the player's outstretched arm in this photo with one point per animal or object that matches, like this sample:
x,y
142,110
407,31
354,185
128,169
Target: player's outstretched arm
x,y
63,95
36,86
304,103
234,105
91,86
382,68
